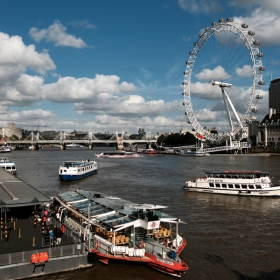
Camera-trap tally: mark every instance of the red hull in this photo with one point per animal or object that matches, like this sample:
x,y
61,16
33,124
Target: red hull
x,y
163,265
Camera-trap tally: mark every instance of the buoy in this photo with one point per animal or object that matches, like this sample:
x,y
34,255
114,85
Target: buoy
x,y
34,258
39,258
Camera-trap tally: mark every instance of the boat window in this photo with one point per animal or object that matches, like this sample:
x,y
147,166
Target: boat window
x,y
237,186
224,186
244,186
230,186
251,187
235,176
218,185
211,185
258,186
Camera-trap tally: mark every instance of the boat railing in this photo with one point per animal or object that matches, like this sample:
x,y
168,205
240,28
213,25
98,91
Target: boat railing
x,y
154,249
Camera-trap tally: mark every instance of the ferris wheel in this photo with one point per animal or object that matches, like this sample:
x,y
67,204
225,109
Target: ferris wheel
x,y
223,80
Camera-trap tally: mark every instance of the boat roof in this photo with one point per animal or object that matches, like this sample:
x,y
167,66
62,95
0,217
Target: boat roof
x,y
239,172
110,211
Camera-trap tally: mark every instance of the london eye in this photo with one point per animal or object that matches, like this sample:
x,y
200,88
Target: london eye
x,y
223,81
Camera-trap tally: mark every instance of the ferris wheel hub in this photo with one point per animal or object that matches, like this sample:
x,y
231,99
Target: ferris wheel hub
x,y
221,84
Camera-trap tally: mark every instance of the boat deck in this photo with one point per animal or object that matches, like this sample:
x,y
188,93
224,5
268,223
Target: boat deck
x,y
153,247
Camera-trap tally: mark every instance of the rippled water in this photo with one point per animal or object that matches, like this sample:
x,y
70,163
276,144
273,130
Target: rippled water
x,y
228,237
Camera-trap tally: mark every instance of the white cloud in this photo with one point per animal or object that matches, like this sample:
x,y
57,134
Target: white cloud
x,y
57,33
245,71
69,89
218,73
15,57
16,87
262,16
266,24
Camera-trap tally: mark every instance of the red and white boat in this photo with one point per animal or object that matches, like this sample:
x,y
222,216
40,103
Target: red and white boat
x,y
119,230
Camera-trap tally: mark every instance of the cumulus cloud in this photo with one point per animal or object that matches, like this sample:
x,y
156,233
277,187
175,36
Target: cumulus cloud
x,y
218,73
15,57
262,16
70,89
17,87
57,33
245,71
24,119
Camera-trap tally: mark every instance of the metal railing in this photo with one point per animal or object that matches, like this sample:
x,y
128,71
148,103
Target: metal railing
x,y
68,232
53,252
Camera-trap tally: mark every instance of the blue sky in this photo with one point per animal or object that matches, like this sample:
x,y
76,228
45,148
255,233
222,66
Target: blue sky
x,y
111,65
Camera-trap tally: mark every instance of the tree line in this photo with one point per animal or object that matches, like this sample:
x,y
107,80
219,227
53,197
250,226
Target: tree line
x,y
177,139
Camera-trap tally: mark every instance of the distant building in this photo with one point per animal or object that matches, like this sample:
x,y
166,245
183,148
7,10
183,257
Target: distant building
x,y
253,128
274,95
11,130
269,128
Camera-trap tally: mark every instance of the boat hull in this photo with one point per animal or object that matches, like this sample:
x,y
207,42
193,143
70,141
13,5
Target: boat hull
x,y
75,177
261,193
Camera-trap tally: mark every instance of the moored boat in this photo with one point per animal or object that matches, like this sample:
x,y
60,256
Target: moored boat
x,y
194,153
8,165
117,154
119,230
76,170
234,182
5,149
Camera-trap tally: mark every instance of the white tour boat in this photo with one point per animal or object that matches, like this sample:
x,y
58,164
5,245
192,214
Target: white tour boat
x,y
76,170
8,165
195,153
247,183
117,154
119,230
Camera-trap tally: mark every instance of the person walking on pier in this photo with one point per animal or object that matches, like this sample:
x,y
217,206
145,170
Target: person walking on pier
x,y
58,236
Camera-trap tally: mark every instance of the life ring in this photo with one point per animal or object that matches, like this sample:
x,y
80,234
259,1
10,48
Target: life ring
x,y
96,245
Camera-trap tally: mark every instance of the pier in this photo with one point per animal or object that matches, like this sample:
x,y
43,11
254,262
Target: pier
x,y
22,234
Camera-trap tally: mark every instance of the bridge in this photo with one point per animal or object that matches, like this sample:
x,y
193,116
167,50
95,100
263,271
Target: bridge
x,y
63,139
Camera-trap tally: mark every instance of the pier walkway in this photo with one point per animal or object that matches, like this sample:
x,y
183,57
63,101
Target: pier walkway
x,y
20,236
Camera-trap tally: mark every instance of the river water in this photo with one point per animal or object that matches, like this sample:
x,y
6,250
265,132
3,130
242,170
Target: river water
x,y
228,237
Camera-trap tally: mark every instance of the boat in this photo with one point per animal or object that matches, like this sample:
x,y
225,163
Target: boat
x,y
148,151
76,170
233,182
5,149
119,230
73,145
8,165
194,153
117,154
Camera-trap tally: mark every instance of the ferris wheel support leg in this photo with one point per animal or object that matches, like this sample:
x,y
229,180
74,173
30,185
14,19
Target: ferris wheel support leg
x,y
233,109
227,109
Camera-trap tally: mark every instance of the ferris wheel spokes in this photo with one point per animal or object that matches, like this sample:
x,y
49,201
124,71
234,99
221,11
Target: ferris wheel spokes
x,y
227,102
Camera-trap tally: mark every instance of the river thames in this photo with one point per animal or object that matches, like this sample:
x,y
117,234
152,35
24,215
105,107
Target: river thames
x,y
229,237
